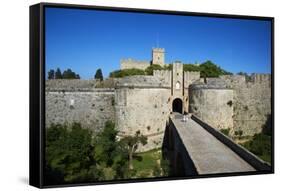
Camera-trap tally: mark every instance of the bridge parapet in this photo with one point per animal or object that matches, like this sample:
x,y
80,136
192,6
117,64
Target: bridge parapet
x,y
203,152
249,157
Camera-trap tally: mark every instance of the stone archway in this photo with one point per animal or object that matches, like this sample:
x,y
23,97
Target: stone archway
x,y
177,105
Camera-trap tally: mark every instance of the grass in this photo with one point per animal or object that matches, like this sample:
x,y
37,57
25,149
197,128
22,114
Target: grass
x,y
145,163
260,145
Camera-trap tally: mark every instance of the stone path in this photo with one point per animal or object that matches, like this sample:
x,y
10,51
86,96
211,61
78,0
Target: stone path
x,y
208,154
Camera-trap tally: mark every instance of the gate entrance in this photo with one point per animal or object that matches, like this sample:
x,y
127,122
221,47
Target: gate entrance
x,y
177,105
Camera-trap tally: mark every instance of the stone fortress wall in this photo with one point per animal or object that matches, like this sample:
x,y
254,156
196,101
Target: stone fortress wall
x,y
131,63
188,78
212,102
69,101
232,102
164,76
251,102
158,57
145,110
144,103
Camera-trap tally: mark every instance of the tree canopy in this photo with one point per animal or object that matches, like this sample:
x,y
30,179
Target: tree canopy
x,y
74,154
99,75
206,69
58,74
209,69
126,72
51,74
149,69
67,74
130,144
69,153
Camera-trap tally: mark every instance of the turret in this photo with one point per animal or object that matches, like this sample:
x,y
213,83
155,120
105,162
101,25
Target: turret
x,y
158,56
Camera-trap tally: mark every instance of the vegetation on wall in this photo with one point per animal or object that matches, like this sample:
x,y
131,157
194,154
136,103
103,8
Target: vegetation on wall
x,y
206,69
126,72
260,145
225,131
75,155
149,69
209,69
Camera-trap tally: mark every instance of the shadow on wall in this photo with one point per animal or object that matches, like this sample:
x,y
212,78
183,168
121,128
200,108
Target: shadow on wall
x,y
173,150
267,127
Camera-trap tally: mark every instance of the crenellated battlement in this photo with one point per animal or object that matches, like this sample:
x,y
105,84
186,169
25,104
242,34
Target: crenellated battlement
x,y
164,76
241,80
261,78
190,77
162,50
162,73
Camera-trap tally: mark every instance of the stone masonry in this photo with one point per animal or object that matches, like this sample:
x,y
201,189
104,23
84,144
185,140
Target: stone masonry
x,y
144,103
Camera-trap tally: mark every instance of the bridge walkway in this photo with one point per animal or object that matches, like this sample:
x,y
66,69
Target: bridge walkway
x,y
208,154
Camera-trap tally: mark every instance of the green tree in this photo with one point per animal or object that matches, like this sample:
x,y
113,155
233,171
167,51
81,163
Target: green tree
x,y
191,67
51,74
99,75
69,74
106,144
73,155
209,69
126,72
58,74
168,67
69,152
131,143
260,145
111,158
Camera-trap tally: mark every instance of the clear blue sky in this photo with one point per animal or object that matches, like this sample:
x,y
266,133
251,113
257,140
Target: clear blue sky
x,y
85,40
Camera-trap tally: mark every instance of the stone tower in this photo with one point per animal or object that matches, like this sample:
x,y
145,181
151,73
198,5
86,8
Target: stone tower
x,y
177,88
158,56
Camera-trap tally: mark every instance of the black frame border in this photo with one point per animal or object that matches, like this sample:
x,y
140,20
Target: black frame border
x,y
37,91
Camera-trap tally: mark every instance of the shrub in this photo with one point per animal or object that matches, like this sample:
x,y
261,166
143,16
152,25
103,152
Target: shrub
x,y
260,145
238,133
74,156
149,70
191,67
209,69
126,72
165,165
69,153
225,131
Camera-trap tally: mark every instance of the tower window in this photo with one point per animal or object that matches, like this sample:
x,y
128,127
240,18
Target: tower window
x,y
178,85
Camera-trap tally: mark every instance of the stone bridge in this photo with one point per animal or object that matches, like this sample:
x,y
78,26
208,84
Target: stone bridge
x,y
195,148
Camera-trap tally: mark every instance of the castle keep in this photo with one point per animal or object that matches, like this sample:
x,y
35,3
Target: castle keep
x,y
158,57
145,102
